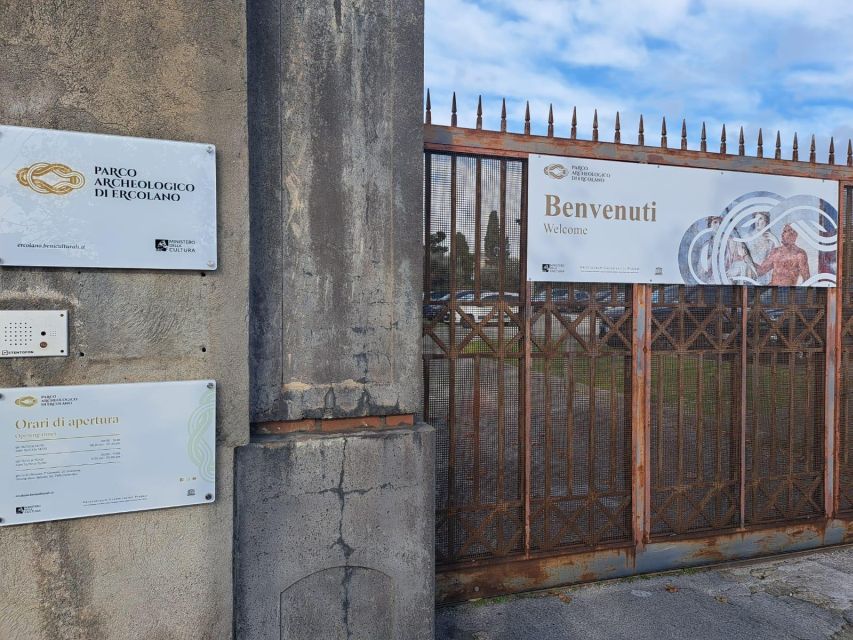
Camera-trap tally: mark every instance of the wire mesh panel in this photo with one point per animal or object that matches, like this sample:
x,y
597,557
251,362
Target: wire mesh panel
x,y
473,377
845,445
785,380
694,409
580,419
580,416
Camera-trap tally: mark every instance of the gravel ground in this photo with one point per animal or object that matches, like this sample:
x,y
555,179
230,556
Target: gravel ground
x,y
799,597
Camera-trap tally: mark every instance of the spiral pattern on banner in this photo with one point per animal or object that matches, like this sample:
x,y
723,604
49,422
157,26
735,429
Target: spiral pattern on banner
x,y
731,247
67,178
198,449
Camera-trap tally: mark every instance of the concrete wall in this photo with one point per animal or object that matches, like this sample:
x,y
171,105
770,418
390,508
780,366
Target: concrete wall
x,y
333,536
168,69
335,532
336,151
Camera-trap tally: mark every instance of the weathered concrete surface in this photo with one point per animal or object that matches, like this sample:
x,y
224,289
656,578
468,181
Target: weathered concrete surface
x,y
156,575
334,536
336,155
169,69
802,597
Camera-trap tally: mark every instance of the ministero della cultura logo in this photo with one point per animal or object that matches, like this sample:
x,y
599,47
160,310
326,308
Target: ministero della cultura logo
x,y
51,178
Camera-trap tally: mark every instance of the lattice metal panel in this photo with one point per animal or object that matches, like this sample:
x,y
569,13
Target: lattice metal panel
x,y
845,445
786,370
580,416
694,410
473,341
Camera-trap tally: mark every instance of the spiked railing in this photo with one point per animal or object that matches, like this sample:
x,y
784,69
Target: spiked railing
x,y
641,134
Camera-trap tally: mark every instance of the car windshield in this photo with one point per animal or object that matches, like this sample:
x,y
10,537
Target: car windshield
x,y
670,295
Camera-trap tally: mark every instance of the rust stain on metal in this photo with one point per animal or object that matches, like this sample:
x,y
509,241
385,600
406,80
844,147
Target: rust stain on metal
x,y
532,400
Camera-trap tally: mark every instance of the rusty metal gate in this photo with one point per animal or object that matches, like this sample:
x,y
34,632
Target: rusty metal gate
x,y
590,431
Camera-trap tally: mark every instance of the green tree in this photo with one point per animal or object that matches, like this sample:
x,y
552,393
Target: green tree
x,y
464,262
436,242
493,241
439,263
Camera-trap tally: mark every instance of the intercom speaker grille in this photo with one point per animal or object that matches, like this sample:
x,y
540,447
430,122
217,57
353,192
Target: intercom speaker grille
x,y
17,334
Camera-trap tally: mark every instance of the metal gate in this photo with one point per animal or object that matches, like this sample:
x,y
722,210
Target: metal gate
x,y
591,431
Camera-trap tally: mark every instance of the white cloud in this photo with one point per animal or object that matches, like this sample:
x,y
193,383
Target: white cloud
x,y
761,63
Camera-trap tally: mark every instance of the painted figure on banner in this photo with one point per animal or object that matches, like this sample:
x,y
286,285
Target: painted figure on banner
x,y
787,264
739,264
706,256
742,246
762,244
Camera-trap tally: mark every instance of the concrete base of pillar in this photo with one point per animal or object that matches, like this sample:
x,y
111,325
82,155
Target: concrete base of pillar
x,y
334,536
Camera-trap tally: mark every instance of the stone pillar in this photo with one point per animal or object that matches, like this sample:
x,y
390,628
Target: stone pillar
x,y
335,516
171,69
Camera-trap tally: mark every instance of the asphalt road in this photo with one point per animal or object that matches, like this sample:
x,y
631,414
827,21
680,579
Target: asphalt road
x,y
800,597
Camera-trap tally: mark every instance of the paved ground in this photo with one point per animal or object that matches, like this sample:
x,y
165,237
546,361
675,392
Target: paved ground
x,y
802,597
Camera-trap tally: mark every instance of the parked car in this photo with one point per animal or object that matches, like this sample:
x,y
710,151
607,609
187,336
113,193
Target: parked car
x,y
679,326
438,302
478,310
573,299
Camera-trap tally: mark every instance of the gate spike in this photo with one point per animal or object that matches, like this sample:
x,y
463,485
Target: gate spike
x,y
617,133
849,153
574,133
778,154
453,111
723,141
703,142
795,155
503,115
551,121
812,152
527,119
480,112
741,149
663,133
595,126
641,137
683,134
760,149
428,119
832,150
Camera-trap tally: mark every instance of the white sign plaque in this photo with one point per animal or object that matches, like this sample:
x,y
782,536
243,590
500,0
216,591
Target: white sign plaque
x,y
607,221
85,200
71,452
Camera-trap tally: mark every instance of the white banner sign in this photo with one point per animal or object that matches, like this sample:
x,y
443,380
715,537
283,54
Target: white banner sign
x,y
606,221
70,452
84,200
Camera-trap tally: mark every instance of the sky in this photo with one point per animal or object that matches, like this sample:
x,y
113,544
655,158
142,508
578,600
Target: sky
x,y
776,64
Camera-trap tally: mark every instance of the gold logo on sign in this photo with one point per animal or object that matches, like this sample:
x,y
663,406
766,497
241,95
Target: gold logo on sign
x,y
51,178
556,171
26,401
